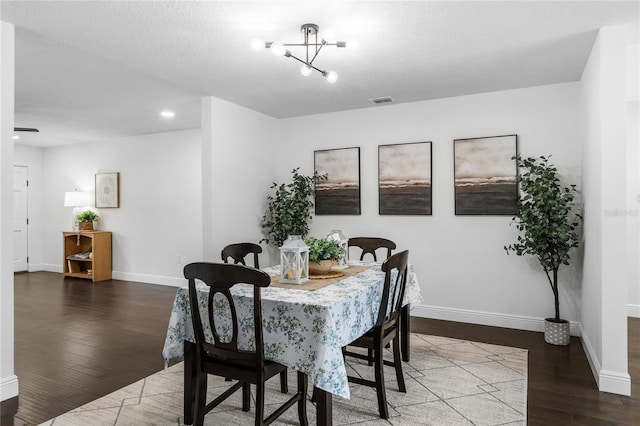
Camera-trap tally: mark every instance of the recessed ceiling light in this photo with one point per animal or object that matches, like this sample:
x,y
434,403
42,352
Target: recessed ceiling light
x,y
16,137
168,114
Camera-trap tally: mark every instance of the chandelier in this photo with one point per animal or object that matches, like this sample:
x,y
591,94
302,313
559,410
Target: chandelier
x,y
312,46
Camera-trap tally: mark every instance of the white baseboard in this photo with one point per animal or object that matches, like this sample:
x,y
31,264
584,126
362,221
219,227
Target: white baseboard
x,y
149,279
126,276
48,267
486,318
614,382
608,381
8,387
633,310
594,362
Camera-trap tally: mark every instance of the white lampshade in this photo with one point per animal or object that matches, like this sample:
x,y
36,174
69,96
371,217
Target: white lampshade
x,y
77,199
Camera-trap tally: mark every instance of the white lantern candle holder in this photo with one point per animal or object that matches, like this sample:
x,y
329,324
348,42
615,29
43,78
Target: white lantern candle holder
x,y
343,261
294,261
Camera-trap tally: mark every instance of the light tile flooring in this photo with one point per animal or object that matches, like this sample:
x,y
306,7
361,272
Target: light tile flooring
x,y
449,382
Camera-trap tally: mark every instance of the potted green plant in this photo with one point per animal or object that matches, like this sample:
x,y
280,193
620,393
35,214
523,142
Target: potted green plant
x,y
322,254
86,219
548,229
289,209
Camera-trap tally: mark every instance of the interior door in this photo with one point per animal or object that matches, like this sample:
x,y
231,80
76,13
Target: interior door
x,y
20,218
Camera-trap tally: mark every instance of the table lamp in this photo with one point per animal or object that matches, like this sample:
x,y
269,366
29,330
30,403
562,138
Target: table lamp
x,y
78,200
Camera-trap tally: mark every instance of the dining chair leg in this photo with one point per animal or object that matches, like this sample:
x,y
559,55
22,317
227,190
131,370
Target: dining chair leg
x,y
260,403
201,398
397,363
284,385
302,404
246,396
379,377
405,331
189,381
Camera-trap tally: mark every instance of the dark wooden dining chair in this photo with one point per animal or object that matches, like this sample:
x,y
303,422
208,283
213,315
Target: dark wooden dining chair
x,y
371,244
385,330
223,357
239,251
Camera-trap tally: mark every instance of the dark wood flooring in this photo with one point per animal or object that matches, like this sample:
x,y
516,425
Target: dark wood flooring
x,y
77,341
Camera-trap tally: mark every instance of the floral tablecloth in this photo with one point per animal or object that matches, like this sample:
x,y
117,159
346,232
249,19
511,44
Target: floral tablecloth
x,y
304,330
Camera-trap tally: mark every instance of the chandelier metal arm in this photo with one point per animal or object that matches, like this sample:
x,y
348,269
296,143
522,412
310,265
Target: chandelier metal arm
x,y
317,51
308,64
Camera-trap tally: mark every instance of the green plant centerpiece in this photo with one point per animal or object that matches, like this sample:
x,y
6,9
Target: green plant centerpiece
x,y
289,209
323,252
86,219
548,229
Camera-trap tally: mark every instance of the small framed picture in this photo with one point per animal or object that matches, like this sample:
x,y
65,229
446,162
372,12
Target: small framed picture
x,y
108,190
486,175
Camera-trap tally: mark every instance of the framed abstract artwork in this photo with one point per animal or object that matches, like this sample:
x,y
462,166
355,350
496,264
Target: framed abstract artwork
x,y
339,193
108,190
485,172
404,179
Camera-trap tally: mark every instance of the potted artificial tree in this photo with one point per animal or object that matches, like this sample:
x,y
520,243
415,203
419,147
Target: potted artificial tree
x,y
322,254
289,210
548,230
86,219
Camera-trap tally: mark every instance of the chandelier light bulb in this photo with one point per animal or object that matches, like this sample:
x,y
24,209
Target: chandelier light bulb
x,y
278,49
305,70
331,76
353,43
257,44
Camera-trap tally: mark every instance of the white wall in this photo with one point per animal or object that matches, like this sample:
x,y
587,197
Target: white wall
x,y
157,229
464,272
239,162
8,379
633,166
31,157
606,265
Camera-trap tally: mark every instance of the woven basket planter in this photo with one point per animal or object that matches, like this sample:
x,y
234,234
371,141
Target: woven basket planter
x,y
557,333
86,226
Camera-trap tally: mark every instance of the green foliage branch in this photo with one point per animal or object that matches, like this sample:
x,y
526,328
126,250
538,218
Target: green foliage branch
x,y
548,226
88,216
289,209
323,249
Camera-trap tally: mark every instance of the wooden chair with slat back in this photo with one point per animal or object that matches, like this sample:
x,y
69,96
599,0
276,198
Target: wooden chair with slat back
x,y
385,330
239,251
371,244
223,357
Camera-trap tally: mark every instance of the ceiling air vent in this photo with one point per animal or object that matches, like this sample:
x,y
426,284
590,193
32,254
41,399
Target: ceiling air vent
x,y
383,100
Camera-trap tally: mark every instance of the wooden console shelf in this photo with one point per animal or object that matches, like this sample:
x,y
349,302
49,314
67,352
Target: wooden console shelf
x,y
76,263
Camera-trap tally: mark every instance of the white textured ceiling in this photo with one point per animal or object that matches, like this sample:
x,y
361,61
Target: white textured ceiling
x,y
91,70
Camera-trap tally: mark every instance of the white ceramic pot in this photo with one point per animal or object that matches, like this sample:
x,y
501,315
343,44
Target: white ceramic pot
x,y
557,333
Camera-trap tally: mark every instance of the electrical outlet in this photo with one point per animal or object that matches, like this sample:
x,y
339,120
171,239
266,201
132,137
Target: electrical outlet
x,y
179,259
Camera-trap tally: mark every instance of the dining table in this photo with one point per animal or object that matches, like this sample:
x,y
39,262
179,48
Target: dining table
x,y
305,327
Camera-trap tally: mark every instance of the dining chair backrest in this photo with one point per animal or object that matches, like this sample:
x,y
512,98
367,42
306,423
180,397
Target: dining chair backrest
x,y
220,278
239,251
394,287
371,244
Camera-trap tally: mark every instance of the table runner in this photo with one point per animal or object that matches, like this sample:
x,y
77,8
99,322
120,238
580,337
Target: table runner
x,y
317,284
